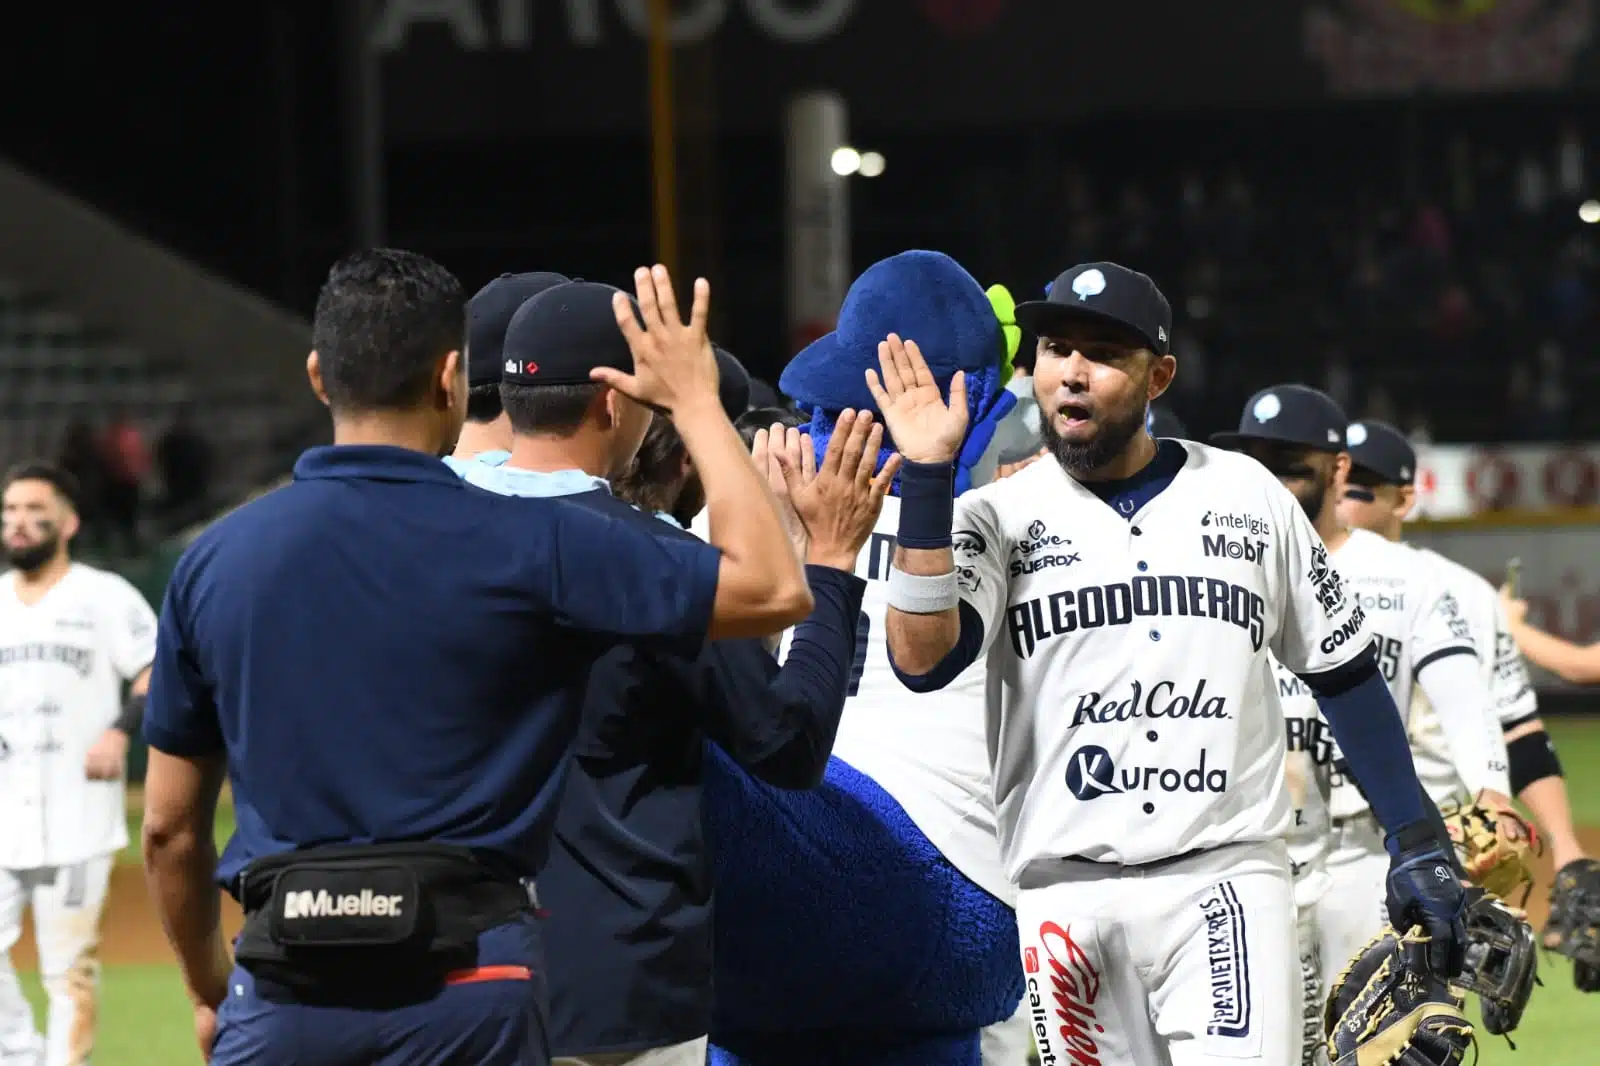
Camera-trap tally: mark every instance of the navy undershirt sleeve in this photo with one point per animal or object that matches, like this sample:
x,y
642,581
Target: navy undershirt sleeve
x,y
1362,714
779,723
969,643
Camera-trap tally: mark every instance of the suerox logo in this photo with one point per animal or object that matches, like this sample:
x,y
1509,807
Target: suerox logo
x,y
324,904
1091,773
1074,990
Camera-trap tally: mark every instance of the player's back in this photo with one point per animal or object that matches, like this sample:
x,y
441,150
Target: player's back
x,y
930,751
383,662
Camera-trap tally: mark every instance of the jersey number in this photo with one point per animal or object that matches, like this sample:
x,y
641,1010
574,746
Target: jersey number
x,y
859,663
1388,657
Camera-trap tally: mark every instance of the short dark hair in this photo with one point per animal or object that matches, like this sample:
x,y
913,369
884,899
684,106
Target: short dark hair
x,y
65,484
758,418
552,409
383,319
654,472
483,402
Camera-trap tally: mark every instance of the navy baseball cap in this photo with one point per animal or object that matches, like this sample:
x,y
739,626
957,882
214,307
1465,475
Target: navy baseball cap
x,y
564,332
560,335
733,383
489,313
1102,292
1289,414
1380,449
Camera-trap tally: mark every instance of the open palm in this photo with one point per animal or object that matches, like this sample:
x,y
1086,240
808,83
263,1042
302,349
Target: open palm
x,y
925,429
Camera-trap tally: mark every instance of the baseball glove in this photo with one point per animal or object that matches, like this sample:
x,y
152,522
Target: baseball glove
x,y
1502,960
1573,929
1388,1008
1494,844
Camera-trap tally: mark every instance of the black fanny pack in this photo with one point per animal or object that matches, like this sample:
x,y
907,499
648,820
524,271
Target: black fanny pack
x,y
389,919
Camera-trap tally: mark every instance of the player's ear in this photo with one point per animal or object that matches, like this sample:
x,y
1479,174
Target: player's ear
x,y
1406,501
450,381
314,375
1162,370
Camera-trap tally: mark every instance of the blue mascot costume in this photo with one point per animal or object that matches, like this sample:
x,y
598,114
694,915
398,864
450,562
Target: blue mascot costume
x,y
843,936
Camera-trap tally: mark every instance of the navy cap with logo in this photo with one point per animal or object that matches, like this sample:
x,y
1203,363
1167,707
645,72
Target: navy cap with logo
x,y
564,332
1105,293
1382,450
489,312
1289,414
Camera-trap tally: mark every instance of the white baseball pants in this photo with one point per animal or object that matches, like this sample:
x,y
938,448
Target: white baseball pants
x,y
1008,1043
67,903
1191,963
1354,909
1313,1052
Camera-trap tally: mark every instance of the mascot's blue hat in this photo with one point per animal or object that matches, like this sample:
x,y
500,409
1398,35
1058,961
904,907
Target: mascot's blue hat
x,y
926,297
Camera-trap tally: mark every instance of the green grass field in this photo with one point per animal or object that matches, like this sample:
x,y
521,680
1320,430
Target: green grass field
x,y
145,1019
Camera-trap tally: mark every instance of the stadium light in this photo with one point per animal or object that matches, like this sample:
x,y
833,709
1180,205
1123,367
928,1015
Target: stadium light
x,y
872,164
846,161
1589,211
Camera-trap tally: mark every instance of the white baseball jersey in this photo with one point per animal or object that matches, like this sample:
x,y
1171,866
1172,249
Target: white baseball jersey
x,y
929,751
1414,619
1310,770
63,663
1503,671
1133,712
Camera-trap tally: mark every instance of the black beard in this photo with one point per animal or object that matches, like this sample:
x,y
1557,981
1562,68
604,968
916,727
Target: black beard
x,y
1312,495
1082,460
32,558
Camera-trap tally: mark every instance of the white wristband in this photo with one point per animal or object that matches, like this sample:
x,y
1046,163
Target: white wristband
x,y
915,594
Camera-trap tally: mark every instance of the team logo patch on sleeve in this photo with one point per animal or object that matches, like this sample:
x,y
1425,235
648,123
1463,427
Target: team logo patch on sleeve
x,y
1326,584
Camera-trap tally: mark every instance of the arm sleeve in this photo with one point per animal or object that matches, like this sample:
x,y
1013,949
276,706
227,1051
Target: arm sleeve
x,y
133,631
1455,687
1514,698
601,575
180,716
981,582
779,723
1321,628
1365,721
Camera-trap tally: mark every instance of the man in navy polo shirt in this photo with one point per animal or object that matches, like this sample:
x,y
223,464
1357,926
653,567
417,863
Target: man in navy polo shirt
x,y
628,887
388,666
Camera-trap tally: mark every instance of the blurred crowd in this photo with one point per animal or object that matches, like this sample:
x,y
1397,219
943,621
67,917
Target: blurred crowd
x,y
1464,310
133,491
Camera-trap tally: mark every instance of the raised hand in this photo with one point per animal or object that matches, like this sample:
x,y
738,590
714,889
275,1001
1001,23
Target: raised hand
x,y
673,366
841,500
773,450
924,427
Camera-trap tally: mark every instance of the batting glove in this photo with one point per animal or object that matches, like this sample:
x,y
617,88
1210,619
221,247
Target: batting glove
x,y
1425,890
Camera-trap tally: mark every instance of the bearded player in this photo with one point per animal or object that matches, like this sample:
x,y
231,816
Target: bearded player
x,y
1422,639
71,639
1134,722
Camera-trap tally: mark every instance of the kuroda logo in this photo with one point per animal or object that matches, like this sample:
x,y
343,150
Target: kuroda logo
x,y
1091,773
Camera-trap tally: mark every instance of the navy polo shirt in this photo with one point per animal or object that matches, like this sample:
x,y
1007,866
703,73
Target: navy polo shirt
x,y
386,653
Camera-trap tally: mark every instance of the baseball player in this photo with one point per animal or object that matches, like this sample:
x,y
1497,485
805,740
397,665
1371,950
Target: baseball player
x,y
1127,596
72,639
1379,497
1419,633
